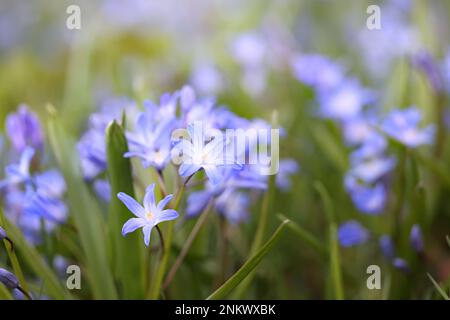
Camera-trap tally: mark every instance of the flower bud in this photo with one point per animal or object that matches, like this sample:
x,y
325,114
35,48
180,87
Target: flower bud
x,y
416,239
8,279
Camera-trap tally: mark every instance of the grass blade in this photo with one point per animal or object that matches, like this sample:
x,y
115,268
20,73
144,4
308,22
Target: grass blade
x,y
249,266
438,287
306,236
128,253
85,212
53,286
335,264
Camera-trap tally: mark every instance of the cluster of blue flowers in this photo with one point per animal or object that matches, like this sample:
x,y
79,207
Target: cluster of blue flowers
x,y
353,107
151,140
33,197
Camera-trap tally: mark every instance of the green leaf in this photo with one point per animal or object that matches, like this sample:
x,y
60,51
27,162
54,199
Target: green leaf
x,y
249,266
335,264
259,235
53,286
438,287
128,253
306,236
85,212
4,293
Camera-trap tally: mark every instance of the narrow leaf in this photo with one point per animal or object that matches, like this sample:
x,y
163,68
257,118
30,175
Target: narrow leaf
x,y
249,266
85,212
128,253
438,287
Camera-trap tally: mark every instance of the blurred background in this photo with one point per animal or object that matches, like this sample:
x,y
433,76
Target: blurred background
x,y
242,53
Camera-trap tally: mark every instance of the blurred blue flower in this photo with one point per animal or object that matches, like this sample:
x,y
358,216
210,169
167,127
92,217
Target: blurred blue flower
x,y
344,101
416,238
19,173
91,146
401,265
53,210
373,145
151,141
402,125
372,170
103,189
24,129
148,215
351,233
317,71
207,79
387,247
233,205
287,168
8,279
92,151
370,200
50,183
357,129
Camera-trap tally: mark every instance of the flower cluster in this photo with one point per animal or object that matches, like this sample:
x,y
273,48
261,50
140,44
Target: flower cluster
x,y
33,198
344,100
201,146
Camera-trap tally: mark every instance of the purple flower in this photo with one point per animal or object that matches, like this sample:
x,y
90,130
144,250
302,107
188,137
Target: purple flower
x,y
8,279
51,209
370,200
373,145
317,71
249,50
387,247
357,129
402,125
372,170
19,173
50,183
207,79
197,154
148,215
150,142
416,238
92,151
287,168
2,234
233,205
103,189
344,101
24,129
401,265
351,233
91,146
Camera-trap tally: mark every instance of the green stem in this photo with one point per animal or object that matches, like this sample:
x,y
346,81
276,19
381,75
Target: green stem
x,y
12,255
187,245
155,288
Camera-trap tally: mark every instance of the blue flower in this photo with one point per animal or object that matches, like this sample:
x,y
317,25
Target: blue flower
x,y
402,125
197,154
372,170
8,279
351,233
370,200
387,247
317,71
401,265
150,141
287,168
148,215
24,129
344,101
92,151
416,238
19,173
373,145
103,189
233,205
